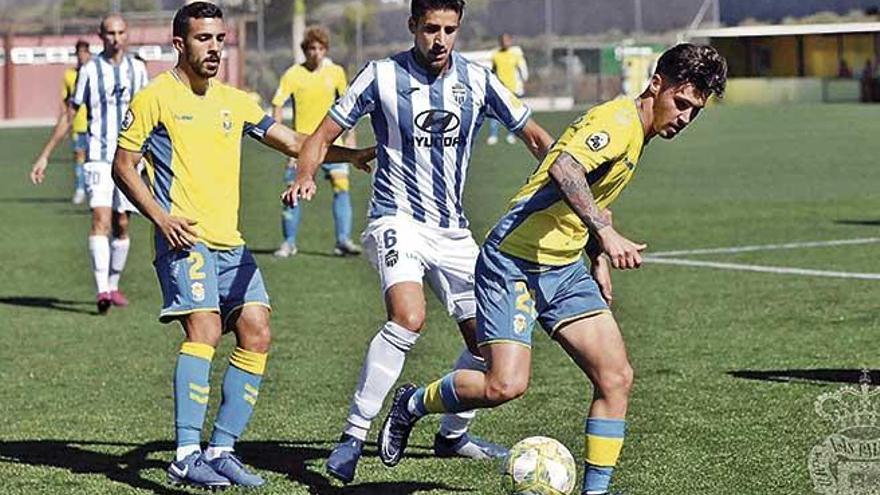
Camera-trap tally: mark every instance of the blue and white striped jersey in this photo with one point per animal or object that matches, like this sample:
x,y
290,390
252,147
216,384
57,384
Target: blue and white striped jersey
x,y
106,90
425,127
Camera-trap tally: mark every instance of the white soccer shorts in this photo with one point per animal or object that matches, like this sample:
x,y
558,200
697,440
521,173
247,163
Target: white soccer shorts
x,y
101,190
403,250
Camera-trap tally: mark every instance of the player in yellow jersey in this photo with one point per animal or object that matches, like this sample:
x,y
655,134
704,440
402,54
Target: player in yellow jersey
x,y
190,127
530,267
509,65
313,87
79,128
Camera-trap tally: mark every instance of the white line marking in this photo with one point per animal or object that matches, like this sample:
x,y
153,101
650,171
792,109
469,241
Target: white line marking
x,y
767,247
762,269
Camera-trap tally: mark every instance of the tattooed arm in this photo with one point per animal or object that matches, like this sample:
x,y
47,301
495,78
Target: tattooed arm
x,y
569,177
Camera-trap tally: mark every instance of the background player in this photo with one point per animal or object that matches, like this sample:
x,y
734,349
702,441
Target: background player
x,y
312,87
105,86
426,107
530,268
209,279
78,135
509,65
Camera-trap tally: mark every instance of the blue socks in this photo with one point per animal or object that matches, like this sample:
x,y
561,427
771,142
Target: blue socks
x,y
290,223
191,391
241,387
342,215
79,176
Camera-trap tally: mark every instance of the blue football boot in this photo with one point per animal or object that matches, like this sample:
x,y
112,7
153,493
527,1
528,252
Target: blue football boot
x,y
230,466
195,471
397,426
467,446
343,461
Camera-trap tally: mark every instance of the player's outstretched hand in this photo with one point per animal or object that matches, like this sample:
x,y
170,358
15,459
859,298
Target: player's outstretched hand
x,y
624,253
304,188
364,157
38,171
601,269
178,232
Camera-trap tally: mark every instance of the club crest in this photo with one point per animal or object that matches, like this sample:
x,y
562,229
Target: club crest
x,y
459,93
848,461
226,120
598,140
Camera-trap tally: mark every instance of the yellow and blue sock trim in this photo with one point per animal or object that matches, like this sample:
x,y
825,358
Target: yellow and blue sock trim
x,y
602,446
438,397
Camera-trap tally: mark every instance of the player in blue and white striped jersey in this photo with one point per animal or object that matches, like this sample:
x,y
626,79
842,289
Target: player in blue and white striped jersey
x,y
426,107
104,86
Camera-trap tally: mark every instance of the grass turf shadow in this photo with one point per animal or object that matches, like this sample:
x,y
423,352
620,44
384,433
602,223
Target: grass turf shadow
x,y
870,223
48,303
815,377
287,458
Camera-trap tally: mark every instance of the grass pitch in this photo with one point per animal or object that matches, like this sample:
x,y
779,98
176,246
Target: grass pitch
x,y
86,401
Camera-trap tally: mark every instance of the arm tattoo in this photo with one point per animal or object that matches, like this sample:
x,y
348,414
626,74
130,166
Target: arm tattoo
x,y
571,180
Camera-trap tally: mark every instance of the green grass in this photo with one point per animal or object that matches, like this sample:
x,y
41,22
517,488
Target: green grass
x,y
86,401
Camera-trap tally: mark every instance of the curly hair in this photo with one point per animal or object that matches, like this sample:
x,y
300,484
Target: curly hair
x,y
195,10
419,8
700,65
315,34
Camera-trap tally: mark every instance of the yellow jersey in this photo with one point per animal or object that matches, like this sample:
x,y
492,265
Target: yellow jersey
x,y
192,145
80,121
510,68
313,93
539,226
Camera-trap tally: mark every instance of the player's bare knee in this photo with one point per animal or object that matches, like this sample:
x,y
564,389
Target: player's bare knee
x,y
101,223
202,332
257,340
504,389
617,383
410,319
253,331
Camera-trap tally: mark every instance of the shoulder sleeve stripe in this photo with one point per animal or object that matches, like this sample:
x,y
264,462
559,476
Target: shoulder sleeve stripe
x,y
358,100
259,130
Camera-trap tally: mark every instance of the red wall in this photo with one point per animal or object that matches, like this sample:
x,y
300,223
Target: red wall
x,y
37,87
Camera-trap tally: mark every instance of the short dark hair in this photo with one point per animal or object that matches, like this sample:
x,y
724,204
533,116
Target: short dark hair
x,y
419,8
195,10
81,45
700,65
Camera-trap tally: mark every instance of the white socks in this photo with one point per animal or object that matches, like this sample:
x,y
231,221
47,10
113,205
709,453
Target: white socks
x,y
118,256
186,450
382,368
456,425
214,452
99,250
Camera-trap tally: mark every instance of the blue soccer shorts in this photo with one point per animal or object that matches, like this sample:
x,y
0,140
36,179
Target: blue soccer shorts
x,y
513,293
205,279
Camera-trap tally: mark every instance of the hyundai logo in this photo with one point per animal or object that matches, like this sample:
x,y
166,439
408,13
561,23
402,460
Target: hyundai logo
x,y
437,121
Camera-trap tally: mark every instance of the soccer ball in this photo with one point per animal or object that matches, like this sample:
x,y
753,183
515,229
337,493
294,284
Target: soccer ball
x,y
539,466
